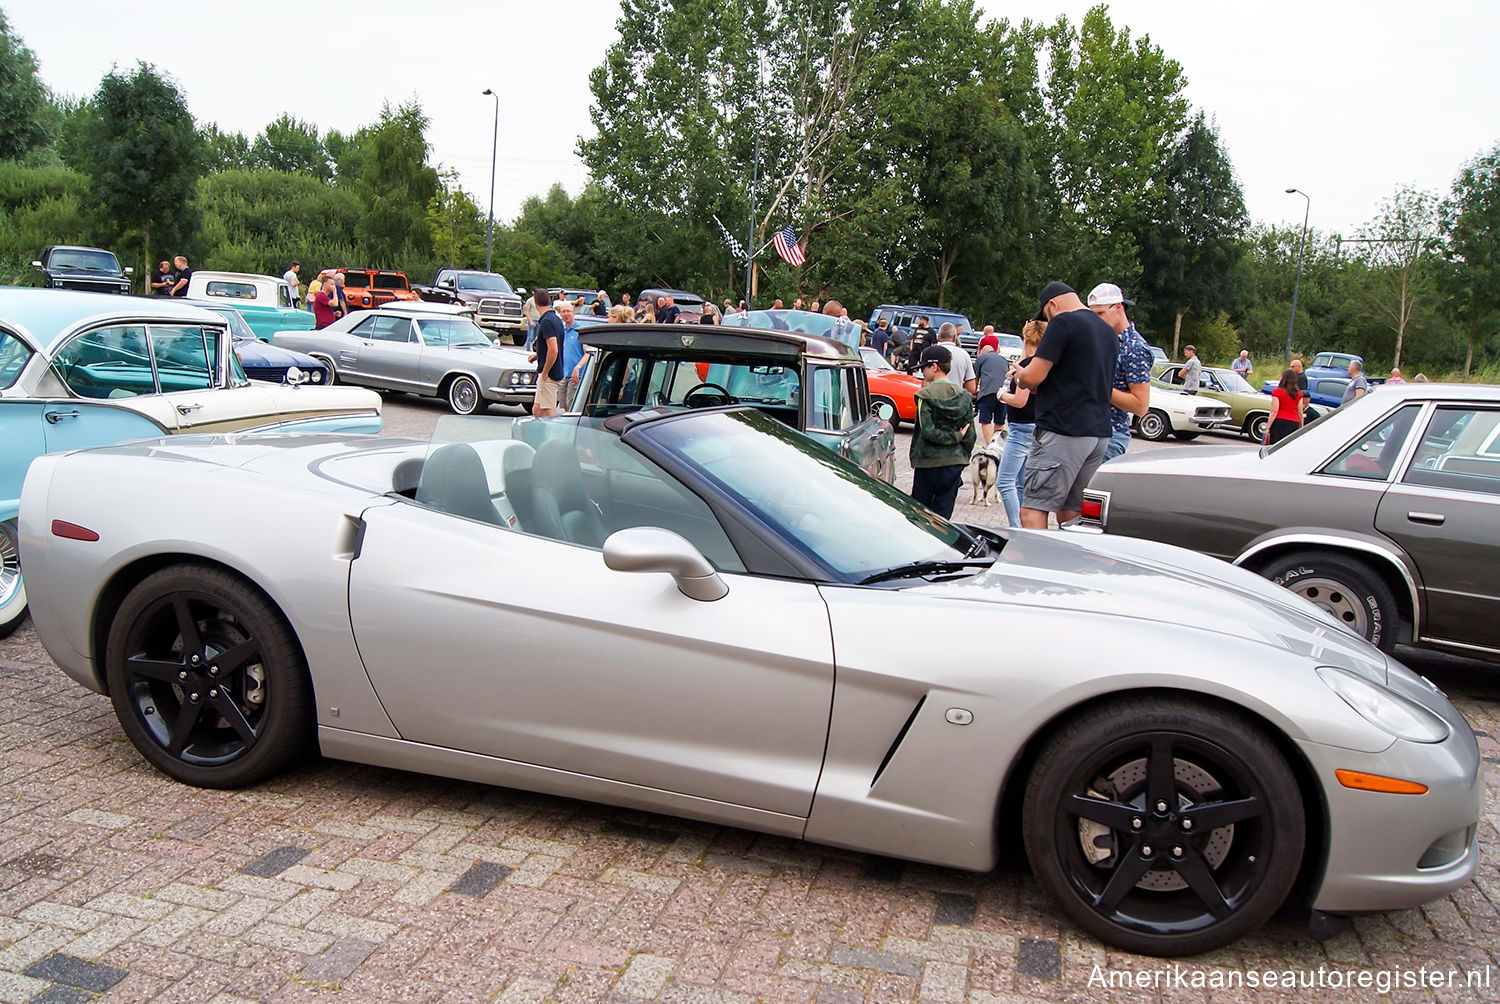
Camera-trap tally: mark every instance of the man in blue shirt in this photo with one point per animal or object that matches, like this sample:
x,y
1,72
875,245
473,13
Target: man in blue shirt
x,y
572,352
1130,394
880,337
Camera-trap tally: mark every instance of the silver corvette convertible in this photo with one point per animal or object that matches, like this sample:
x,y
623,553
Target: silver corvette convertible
x,y
706,613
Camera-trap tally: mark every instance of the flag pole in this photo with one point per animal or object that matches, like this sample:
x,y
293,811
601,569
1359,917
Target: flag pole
x,y
754,174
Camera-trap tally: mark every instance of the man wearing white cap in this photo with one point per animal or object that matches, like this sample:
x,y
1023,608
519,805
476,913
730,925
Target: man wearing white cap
x,y
1130,393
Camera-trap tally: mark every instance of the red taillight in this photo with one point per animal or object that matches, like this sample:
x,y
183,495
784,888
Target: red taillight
x,y
1092,509
72,531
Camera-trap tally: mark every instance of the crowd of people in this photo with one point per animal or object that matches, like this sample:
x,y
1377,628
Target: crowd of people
x,y
1066,405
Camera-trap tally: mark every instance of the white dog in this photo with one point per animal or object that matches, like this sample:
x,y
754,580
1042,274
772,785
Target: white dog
x,y
984,465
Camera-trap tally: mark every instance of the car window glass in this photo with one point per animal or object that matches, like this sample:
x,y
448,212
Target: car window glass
x,y
829,406
107,363
1460,450
569,481
185,356
452,332
1374,454
230,290
83,260
366,327
14,354
392,329
357,280
283,295
389,280
823,505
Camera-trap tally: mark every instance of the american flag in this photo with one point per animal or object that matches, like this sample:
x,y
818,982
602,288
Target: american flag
x,y
734,245
786,245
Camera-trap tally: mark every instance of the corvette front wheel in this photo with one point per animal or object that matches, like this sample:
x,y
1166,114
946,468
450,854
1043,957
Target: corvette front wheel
x,y
207,678
1163,826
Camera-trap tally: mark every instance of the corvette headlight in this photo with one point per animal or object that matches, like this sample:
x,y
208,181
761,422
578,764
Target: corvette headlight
x,y
1383,709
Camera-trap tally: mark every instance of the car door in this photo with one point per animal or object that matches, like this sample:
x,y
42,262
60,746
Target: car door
x,y
1444,512
107,371
513,644
837,414
199,381
389,354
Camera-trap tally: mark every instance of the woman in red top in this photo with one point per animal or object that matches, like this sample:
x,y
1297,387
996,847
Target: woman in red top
x,y
1290,404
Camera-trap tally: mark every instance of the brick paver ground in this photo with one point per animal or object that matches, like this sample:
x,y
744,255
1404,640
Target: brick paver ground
x,y
364,884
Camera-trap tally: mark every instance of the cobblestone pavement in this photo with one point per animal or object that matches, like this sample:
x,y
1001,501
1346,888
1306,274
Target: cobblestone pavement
x,y
364,884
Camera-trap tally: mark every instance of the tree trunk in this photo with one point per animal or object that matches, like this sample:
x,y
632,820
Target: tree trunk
x,y
145,257
754,283
1469,360
1176,333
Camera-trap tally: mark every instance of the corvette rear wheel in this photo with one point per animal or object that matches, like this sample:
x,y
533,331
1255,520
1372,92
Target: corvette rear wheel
x,y
1154,426
207,678
12,588
463,395
1164,827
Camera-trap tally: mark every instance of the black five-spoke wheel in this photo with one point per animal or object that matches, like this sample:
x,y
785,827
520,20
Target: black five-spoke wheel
x,y
1164,827
207,679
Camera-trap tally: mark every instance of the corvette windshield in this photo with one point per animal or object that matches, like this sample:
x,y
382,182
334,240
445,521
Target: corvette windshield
x,y
847,521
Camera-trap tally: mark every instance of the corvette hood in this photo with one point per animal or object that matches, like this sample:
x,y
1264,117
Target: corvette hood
x,y
1147,581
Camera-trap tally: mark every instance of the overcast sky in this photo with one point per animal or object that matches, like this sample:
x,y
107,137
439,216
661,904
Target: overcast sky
x,y
1343,100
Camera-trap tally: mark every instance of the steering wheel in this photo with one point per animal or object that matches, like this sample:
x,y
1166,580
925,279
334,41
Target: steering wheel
x,y
711,395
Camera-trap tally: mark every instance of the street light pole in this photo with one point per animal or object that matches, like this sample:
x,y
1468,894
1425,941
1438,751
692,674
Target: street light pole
x,y
1301,244
489,234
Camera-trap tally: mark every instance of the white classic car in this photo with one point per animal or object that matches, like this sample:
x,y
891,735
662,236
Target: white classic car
x,y
1181,415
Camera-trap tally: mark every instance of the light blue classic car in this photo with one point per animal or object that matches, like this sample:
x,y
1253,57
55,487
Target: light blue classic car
x,y
90,369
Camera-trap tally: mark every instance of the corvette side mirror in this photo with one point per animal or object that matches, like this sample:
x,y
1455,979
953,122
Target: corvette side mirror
x,y
653,549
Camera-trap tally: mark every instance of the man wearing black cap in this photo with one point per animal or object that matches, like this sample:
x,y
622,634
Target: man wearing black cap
x,y
943,436
1073,367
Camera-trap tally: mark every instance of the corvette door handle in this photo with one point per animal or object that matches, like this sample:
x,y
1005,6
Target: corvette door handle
x,y
57,416
183,409
1430,518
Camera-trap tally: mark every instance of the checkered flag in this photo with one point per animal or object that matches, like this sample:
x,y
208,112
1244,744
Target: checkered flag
x,y
734,245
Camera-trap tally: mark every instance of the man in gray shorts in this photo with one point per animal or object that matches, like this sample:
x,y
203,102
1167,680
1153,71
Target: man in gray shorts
x,y
1070,376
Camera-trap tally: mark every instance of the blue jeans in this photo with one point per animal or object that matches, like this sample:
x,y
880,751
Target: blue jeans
x,y
1119,442
1012,473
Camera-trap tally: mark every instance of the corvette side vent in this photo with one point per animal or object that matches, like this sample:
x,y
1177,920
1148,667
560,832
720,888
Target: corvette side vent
x,y
897,742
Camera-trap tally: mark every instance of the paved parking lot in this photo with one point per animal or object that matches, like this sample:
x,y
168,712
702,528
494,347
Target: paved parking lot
x,y
362,884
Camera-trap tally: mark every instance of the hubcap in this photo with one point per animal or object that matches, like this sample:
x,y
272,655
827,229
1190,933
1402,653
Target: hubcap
x,y
196,680
10,564
1165,833
1151,427
885,410
1335,597
464,396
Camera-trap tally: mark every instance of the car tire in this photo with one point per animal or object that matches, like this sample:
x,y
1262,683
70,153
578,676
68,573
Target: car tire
x,y
1256,425
12,586
1348,588
1154,426
886,409
1163,826
207,678
463,395
333,372
1186,437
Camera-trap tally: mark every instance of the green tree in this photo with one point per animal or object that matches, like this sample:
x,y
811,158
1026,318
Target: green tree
x,y
143,158
457,225
396,184
291,145
1400,241
27,118
1113,109
223,151
1191,254
1470,219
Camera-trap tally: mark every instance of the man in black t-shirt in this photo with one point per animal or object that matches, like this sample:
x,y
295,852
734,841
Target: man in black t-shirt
x,y
1071,375
184,276
547,356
